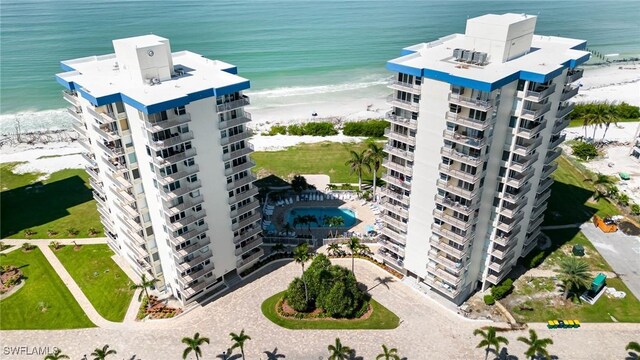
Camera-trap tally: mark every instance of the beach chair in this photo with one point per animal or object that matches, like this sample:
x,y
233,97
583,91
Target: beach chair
x,y
297,198
576,323
290,201
551,324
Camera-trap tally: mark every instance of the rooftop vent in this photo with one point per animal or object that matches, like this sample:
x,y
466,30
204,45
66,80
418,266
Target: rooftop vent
x,y
470,57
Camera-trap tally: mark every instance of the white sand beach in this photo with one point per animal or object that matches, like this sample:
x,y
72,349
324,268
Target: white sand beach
x,y
618,82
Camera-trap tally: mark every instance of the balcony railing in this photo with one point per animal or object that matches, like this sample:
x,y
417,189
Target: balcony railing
x,y
405,138
463,139
534,114
176,139
79,128
461,157
230,105
510,210
530,133
451,235
524,164
246,150
568,92
75,114
187,220
194,275
246,221
197,259
249,246
574,75
160,161
515,197
176,240
440,243
247,133
103,118
506,240
405,86
508,224
409,155
544,185
465,209
167,124
455,189
560,125
440,257
443,274
248,260
70,97
452,220
183,173
557,141
547,170
240,167
185,188
110,150
396,209
442,287
484,105
404,104
504,253
394,222
410,123
195,246
405,169
188,202
254,230
253,191
539,95
459,174
518,180
245,118
106,133
526,148
467,121
392,194
396,181
542,198
565,110
552,155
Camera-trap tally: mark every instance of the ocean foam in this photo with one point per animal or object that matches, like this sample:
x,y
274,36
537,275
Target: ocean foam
x,y
35,121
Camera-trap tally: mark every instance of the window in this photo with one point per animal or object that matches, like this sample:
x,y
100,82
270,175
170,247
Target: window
x,y
180,110
197,208
512,121
189,162
192,178
135,173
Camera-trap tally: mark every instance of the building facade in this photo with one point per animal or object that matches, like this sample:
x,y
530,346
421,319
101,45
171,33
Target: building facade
x,y
476,121
167,154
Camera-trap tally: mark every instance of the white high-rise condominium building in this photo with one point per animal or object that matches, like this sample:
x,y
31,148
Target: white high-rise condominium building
x,y
168,158
475,127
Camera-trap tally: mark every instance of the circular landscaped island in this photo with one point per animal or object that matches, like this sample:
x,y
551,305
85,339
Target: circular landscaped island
x,y
327,297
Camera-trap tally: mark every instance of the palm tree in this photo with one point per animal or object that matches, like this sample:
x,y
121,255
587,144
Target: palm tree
x,y
537,347
600,114
144,285
354,246
333,248
635,347
299,220
277,248
301,256
388,354
57,355
338,351
357,164
193,344
287,228
238,341
308,219
364,249
101,354
490,339
375,155
338,221
574,273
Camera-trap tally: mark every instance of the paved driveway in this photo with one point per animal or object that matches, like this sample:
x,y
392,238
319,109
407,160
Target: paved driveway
x,y
427,331
621,251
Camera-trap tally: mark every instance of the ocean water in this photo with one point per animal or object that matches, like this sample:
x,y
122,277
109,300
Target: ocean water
x,y
293,51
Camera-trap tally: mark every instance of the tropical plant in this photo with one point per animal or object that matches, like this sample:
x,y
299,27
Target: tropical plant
x,y
633,348
584,150
239,340
278,248
28,233
375,155
335,222
354,245
27,246
101,354
193,344
301,256
364,249
338,351
601,114
144,284
357,164
287,228
490,339
308,220
333,248
299,183
56,355
300,220
388,354
574,273
623,199
55,245
537,347
635,209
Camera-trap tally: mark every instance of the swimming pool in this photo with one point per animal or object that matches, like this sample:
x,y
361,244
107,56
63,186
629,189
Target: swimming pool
x,y
347,215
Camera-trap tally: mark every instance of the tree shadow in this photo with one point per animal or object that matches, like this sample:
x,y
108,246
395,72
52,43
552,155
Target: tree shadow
x,y
39,203
228,355
273,355
632,355
382,281
568,205
504,354
354,356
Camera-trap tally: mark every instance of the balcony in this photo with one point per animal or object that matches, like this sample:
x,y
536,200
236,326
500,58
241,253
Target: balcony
x,y
574,75
552,155
405,138
403,104
111,151
523,164
504,253
195,246
100,199
516,196
398,224
124,195
79,128
176,240
447,233
97,186
544,185
257,216
499,266
102,118
70,97
135,237
187,278
178,120
405,169
459,174
393,248
442,287
396,209
510,210
517,179
106,133
483,105
240,167
476,143
465,209
535,113
247,133
557,140
538,211
507,239
188,202
253,191
160,161
174,226
115,166
461,157
405,86
396,181
455,189
440,257
75,114
93,172
197,259
248,246
565,110
240,182
410,123
169,195
230,105
530,133
441,244
175,139
443,274
535,223
540,93
409,155
452,220
467,121
568,92
526,147
245,118
507,224
183,173
85,143
547,170
246,150
397,237
131,224
560,125
250,259
399,197
254,230
542,198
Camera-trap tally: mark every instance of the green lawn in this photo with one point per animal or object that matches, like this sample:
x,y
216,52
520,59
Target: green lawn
x,y
561,247
327,158
623,310
100,278
570,193
44,302
579,122
381,318
64,200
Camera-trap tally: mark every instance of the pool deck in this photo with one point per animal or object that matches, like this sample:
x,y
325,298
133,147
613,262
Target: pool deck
x,y
364,216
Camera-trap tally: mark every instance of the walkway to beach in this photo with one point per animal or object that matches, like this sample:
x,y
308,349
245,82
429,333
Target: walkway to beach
x,y
427,330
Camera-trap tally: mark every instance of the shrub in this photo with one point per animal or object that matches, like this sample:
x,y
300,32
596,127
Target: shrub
x,y
312,128
623,199
502,290
584,150
295,130
92,231
27,246
296,297
626,111
339,302
369,128
277,130
489,300
635,209
29,233
73,231
535,260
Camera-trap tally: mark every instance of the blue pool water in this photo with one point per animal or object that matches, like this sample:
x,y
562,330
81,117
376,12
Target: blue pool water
x,y
348,215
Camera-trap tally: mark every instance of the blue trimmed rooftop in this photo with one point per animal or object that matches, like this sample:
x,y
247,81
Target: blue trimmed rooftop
x,y
514,52
145,74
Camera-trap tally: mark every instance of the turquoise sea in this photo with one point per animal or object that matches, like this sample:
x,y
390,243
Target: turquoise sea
x,y
283,46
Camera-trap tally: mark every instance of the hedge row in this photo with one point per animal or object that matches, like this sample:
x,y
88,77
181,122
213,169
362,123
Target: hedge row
x,y
368,128
311,128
